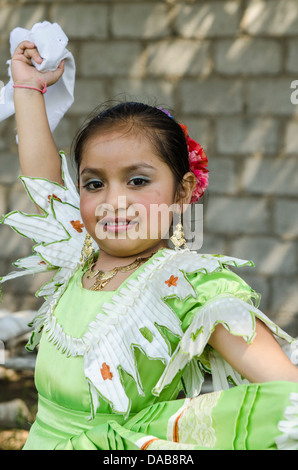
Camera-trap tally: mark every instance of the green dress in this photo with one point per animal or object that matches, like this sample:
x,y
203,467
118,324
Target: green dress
x,y
111,364
243,417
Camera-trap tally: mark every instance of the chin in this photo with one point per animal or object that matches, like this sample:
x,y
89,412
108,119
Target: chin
x,y
124,248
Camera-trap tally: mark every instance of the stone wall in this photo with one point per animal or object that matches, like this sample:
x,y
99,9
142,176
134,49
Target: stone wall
x,y
226,68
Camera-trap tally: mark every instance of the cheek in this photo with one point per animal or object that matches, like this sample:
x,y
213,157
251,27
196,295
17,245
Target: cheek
x,y
155,211
160,200
149,203
160,195
88,209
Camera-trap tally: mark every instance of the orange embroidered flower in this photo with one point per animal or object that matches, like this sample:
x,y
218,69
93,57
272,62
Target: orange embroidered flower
x,y
42,262
172,281
105,372
54,197
77,225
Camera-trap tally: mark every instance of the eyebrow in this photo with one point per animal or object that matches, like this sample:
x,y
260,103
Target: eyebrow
x,y
126,169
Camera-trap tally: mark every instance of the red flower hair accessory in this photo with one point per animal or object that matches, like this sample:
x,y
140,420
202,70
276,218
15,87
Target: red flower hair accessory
x,y
198,162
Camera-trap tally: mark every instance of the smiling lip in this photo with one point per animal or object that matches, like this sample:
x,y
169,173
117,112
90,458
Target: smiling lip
x,y
117,224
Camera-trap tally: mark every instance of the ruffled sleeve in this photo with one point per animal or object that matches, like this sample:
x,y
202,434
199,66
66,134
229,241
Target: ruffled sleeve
x,y
209,286
222,297
58,234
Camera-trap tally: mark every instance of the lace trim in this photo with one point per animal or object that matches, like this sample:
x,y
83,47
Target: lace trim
x,y
289,427
191,425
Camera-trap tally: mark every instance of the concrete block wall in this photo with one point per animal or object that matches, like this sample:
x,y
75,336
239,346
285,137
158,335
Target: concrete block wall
x,y
225,67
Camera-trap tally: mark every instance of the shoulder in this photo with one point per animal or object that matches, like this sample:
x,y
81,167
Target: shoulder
x,y
186,272
189,280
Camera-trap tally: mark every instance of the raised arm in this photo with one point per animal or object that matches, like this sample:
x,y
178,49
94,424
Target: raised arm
x,y
38,153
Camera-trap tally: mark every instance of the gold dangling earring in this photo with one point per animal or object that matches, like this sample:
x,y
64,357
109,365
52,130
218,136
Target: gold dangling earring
x,y
88,252
178,236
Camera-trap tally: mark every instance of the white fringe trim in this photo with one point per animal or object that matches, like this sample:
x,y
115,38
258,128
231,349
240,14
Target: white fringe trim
x,y
239,318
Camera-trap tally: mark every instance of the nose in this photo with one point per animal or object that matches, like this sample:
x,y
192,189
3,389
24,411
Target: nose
x,y
114,203
115,195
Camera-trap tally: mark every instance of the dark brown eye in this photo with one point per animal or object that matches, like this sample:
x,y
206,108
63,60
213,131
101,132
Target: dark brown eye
x,y
93,185
139,181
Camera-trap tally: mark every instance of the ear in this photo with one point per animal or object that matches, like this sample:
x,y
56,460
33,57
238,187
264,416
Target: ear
x,y
185,190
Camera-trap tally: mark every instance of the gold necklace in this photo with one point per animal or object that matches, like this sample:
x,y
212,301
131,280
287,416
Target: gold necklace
x,y
103,277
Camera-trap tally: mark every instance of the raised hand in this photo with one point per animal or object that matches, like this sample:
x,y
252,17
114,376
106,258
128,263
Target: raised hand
x,y
38,153
25,73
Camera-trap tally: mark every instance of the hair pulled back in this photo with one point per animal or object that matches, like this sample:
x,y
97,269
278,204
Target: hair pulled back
x,y
164,133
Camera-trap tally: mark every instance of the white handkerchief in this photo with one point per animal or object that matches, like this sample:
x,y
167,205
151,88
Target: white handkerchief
x,y
51,43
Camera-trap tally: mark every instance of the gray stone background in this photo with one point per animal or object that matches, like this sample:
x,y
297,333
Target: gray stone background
x,y
226,68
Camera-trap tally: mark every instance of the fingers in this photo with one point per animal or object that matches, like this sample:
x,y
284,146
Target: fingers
x,y
56,74
60,69
28,50
25,57
61,65
22,47
33,54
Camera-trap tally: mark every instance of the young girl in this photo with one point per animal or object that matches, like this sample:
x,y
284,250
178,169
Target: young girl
x,y
128,322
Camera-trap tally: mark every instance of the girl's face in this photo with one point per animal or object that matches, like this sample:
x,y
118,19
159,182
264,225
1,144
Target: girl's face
x,y
126,191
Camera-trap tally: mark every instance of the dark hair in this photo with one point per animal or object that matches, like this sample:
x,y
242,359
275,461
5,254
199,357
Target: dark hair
x,y
164,133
